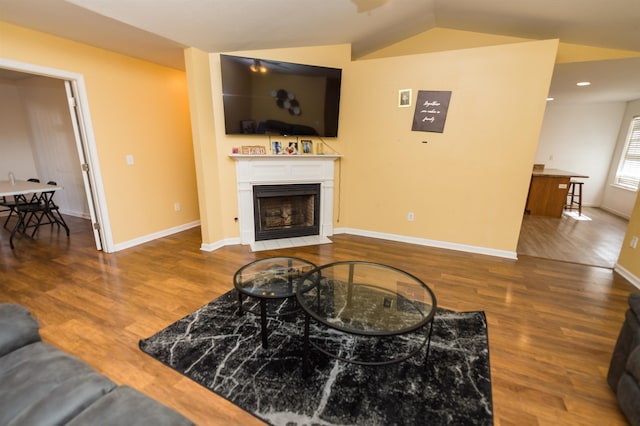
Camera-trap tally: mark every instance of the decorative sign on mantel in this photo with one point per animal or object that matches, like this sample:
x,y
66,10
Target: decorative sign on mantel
x,y
431,111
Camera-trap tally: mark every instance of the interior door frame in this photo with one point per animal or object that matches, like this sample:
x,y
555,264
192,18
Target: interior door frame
x,y
85,143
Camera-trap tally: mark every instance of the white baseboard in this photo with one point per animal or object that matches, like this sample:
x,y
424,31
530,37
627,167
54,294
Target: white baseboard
x,y
627,275
430,243
155,236
393,237
615,212
220,244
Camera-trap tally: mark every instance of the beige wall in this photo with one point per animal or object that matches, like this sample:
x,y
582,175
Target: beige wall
x,y
629,257
445,39
221,190
207,156
466,186
137,108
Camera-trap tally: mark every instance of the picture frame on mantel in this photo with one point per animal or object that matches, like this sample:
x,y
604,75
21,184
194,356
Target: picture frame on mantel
x,y
253,150
276,147
292,149
307,146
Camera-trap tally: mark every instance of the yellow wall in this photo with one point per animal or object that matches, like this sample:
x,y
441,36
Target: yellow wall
x,y
204,143
630,257
467,185
224,191
440,40
568,52
137,108
444,39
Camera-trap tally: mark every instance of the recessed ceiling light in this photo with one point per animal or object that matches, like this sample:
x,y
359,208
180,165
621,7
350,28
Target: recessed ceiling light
x,y
551,99
583,83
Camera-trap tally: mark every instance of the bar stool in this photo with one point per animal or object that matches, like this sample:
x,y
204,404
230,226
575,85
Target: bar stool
x,y
574,196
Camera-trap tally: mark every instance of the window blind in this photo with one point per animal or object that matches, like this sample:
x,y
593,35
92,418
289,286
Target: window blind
x,y
629,169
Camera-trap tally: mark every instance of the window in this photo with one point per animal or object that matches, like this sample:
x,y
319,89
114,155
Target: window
x,y
628,174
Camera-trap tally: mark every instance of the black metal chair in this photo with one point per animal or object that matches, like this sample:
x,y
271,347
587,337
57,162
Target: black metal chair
x,y
25,209
47,212
11,205
38,210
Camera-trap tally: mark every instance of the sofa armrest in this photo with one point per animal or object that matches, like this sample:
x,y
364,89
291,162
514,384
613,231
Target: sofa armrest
x,y
634,304
126,406
18,328
633,365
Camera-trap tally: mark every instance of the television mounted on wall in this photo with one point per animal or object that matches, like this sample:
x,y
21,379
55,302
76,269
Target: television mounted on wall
x,y
269,97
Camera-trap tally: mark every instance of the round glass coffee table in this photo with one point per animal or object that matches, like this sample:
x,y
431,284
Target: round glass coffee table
x,y
379,305
272,279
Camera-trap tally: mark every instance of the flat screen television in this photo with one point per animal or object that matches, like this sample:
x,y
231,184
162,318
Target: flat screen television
x,y
279,98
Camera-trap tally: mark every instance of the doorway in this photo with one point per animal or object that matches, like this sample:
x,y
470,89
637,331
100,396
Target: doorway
x,y
89,180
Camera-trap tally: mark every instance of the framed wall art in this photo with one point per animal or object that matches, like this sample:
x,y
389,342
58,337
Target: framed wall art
x,y
431,111
404,98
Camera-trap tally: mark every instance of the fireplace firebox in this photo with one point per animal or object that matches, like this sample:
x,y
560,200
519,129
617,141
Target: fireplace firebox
x,y
286,211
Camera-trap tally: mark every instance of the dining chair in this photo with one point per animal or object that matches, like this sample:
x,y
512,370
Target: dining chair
x,y
25,209
47,212
11,204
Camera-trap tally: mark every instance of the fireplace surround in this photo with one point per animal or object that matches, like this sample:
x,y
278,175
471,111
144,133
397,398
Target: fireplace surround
x,y
281,211
277,170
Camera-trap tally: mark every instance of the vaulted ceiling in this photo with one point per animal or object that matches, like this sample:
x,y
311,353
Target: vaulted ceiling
x,y
158,31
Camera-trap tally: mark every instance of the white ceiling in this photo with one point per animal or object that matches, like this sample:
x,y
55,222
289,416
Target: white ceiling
x,y
159,30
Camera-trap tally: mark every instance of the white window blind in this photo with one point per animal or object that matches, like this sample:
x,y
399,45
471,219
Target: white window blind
x,y
629,169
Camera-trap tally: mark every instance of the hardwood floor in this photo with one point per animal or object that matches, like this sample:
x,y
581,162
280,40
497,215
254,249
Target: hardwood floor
x,y
552,325
594,242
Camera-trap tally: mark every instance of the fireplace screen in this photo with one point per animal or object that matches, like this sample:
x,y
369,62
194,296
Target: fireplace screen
x,y
285,211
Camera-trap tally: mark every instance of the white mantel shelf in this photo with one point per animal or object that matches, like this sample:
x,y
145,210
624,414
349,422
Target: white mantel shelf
x,y
264,169
239,157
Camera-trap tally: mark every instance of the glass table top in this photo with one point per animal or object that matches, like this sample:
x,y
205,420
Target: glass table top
x,y
366,298
275,277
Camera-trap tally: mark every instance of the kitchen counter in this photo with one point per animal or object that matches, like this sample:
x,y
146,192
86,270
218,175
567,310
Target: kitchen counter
x,y
548,191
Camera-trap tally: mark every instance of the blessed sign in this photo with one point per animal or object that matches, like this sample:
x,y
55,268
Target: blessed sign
x,y
431,111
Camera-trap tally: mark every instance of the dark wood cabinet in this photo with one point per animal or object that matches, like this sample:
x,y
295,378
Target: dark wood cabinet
x,y
548,192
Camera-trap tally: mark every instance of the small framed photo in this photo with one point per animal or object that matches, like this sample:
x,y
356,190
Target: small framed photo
x,y
276,147
292,149
307,146
404,98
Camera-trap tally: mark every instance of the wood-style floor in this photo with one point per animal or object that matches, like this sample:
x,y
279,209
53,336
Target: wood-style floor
x,y
594,242
552,325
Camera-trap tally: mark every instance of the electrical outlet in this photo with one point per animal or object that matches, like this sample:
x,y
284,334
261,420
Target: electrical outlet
x,y
176,207
410,216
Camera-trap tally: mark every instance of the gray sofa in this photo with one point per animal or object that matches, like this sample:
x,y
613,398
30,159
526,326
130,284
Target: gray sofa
x,y
624,370
42,385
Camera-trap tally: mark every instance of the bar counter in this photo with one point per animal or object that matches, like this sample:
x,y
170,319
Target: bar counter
x,y
548,191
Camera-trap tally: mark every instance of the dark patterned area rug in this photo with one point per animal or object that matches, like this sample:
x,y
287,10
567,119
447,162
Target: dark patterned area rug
x,y
223,352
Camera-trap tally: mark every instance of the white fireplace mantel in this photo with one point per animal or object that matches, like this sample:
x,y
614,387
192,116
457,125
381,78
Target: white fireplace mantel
x,y
283,169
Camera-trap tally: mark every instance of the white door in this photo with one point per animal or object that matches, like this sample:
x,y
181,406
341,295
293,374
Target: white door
x,y
81,144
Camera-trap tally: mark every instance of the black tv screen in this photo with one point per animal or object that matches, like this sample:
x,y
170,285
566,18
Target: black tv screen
x,y
279,98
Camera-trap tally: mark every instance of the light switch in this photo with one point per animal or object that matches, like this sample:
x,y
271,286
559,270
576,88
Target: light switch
x,y
562,186
130,159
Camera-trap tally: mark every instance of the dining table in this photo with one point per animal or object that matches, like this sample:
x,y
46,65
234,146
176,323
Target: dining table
x,y
24,187
17,187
